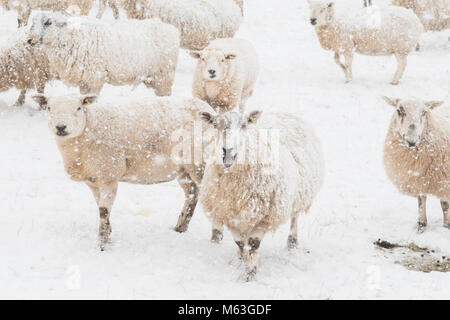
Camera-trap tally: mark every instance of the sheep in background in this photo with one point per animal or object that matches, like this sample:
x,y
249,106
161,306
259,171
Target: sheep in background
x,y
103,144
376,31
226,74
88,53
199,21
24,7
253,190
367,3
23,67
434,14
113,4
417,153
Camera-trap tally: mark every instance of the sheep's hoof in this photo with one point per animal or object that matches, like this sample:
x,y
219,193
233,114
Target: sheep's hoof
x,y
292,242
421,226
249,275
447,225
394,83
18,103
217,236
181,228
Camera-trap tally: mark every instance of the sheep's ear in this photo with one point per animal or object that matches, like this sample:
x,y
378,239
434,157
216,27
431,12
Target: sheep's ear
x,y
195,54
230,56
42,101
433,104
254,116
88,100
206,117
392,101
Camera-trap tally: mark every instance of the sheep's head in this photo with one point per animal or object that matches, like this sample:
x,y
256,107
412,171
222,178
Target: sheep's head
x,y
66,114
45,26
215,64
322,12
410,118
231,126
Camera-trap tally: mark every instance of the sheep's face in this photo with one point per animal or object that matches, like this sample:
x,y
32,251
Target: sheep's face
x,y
231,127
45,27
215,64
322,12
410,118
66,115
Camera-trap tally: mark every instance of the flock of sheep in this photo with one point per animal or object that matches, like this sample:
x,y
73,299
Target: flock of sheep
x,y
250,171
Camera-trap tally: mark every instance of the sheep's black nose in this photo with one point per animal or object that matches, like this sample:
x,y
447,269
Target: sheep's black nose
x,y
313,21
30,41
61,128
411,144
212,72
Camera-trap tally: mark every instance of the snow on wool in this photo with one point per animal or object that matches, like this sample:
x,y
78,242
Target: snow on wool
x,y
373,31
198,21
88,53
226,74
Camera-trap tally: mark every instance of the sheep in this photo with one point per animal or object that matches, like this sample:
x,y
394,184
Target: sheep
x,y
379,31
199,21
23,67
24,7
367,3
89,53
434,14
417,152
254,195
226,73
103,144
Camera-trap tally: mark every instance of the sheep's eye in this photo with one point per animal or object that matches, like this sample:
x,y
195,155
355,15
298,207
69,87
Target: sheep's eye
x,y
79,108
47,23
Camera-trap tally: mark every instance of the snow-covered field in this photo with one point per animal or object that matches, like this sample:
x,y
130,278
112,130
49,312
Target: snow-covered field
x,y
48,224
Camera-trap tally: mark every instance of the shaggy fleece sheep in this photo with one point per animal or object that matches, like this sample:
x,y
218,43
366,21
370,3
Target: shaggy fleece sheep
x,y
372,31
226,73
24,7
103,144
23,67
88,53
199,21
434,14
261,175
417,153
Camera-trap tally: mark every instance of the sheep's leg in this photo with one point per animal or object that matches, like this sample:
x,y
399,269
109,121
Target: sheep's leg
x,y
251,259
217,233
348,66
21,100
422,222
401,61
95,193
445,211
107,195
162,83
292,239
101,8
112,5
191,193
339,63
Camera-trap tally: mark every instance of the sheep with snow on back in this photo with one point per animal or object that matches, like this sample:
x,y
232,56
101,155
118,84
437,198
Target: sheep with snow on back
x,y
88,53
226,74
417,153
199,21
264,171
137,142
374,31
24,7
434,14
23,67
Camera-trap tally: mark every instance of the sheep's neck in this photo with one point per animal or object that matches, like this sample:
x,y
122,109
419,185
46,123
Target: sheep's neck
x,y
327,35
72,156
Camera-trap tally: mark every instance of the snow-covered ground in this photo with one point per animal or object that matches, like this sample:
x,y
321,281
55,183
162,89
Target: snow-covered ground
x,y
48,224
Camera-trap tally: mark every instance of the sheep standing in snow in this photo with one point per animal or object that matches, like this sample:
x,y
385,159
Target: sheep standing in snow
x,y
434,14
417,153
254,195
226,74
24,7
102,145
23,67
199,21
377,31
88,53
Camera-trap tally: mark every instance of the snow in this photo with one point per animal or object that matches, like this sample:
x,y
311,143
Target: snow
x,y
48,224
